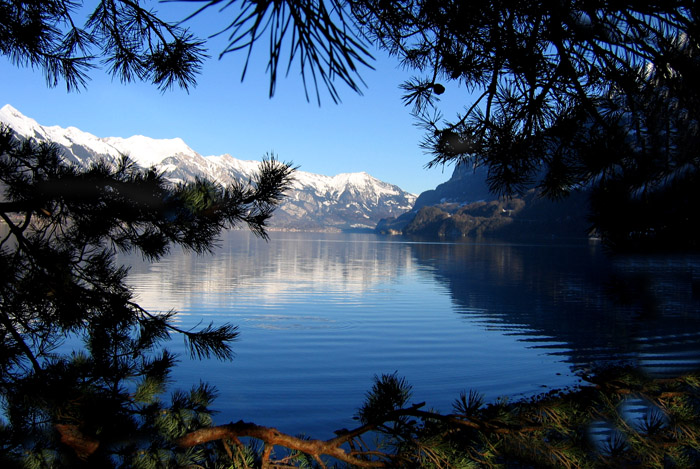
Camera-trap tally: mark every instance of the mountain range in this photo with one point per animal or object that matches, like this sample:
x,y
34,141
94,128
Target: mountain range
x,y
349,201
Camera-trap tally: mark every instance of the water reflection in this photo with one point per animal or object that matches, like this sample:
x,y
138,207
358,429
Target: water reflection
x,y
246,268
638,310
320,314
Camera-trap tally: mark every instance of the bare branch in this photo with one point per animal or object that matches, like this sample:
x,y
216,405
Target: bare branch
x,y
272,437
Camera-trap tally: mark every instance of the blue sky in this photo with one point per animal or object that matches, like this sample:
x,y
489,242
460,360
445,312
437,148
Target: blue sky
x,y
373,133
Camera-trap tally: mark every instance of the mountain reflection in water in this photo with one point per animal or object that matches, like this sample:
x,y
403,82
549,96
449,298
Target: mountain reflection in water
x,y
637,310
320,314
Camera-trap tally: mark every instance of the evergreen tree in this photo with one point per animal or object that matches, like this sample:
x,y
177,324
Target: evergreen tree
x,y
585,95
101,404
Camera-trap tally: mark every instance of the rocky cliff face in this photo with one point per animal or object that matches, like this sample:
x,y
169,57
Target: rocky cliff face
x,y
463,206
465,185
349,201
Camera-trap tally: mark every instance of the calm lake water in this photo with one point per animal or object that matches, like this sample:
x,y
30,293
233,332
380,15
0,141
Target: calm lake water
x,y
321,314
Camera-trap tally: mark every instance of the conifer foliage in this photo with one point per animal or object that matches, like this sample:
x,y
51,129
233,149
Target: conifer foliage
x,y
59,285
131,40
560,96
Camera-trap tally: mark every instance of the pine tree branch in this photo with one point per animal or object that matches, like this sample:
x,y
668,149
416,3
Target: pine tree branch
x,y
16,231
7,323
332,447
205,343
273,437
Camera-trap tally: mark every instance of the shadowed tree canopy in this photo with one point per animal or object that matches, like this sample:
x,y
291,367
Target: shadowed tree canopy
x,y
561,96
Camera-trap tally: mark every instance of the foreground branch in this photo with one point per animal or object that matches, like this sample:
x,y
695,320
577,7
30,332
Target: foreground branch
x,y
540,432
317,448
272,437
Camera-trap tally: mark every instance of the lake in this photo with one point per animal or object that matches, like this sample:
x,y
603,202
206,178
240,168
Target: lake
x,y
320,314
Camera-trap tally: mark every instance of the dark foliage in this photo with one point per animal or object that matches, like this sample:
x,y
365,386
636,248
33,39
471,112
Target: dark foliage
x,y
60,285
134,43
620,418
129,39
565,95
317,35
591,426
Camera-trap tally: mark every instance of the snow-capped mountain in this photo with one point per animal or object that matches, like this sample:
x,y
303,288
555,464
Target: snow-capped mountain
x,y
315,202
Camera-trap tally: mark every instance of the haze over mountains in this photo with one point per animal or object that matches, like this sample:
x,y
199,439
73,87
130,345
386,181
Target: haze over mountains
x,y
347,201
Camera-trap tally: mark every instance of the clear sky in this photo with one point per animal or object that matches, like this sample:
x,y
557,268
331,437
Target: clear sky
x,y
373,132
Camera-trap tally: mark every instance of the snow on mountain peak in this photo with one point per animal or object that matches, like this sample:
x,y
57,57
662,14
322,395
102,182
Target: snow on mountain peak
x,y
19,123
69,138
147,151
357,179
247,167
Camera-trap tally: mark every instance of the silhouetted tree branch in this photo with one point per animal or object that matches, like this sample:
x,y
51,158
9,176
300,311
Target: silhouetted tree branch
x,y
318,35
